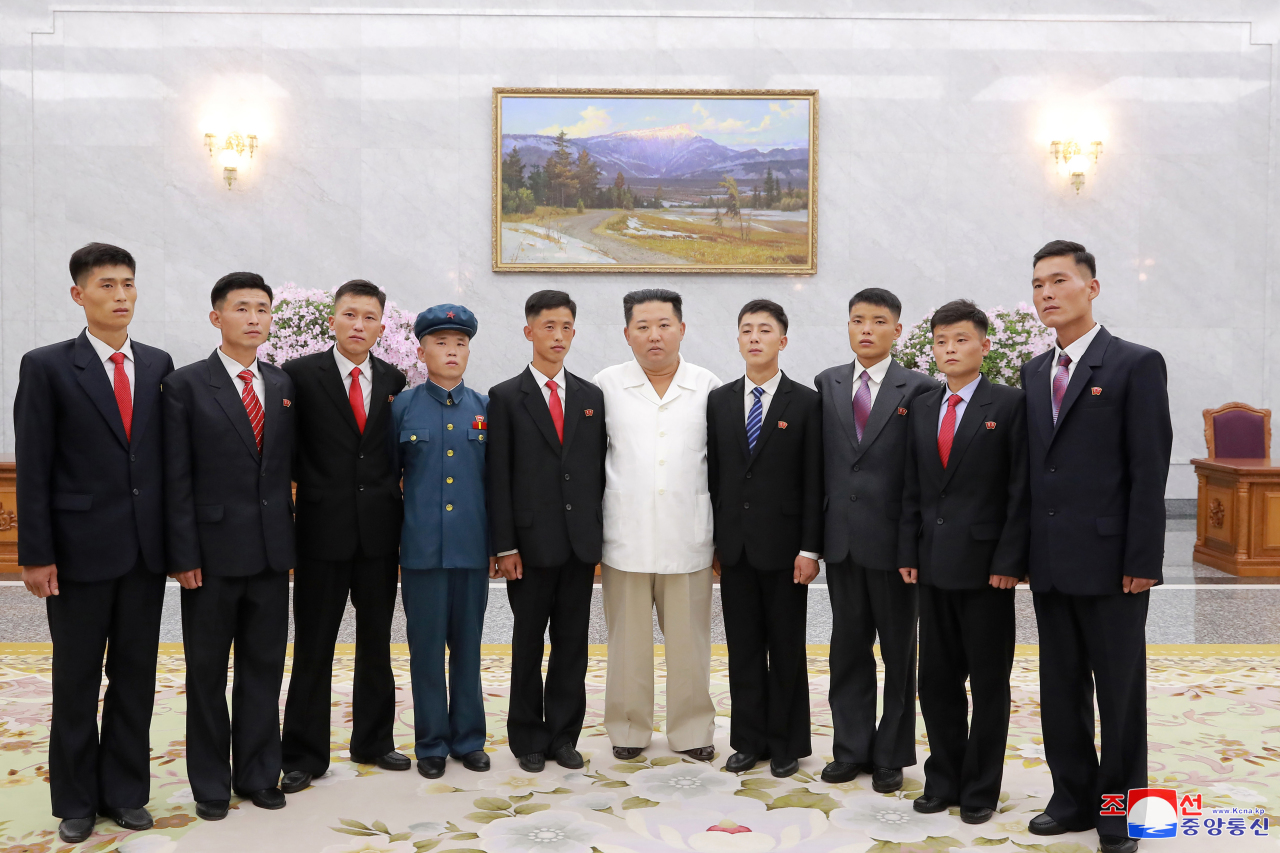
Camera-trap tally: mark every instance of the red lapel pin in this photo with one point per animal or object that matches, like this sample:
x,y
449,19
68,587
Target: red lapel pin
x,y
1097,392
901,411
588,412
782,424
391,397
991,424
286,404
478,423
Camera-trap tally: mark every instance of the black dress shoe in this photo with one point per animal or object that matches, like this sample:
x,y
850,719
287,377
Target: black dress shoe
x,y
534,762
839,771
1117,844
295,781
73,830
569,758
700,753
886,780
268,798
1042,824
975,815
926,804
390,761
132,819
212,809
741,762
477,760
626,753
431,767
782,768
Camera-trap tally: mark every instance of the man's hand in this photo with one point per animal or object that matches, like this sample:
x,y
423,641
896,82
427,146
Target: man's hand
x,y
1136,585
909,575
715,562
188,580
806,570
1003,582
511,567
41,581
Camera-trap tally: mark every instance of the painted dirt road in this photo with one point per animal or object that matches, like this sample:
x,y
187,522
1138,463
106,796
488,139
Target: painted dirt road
x,y
622,251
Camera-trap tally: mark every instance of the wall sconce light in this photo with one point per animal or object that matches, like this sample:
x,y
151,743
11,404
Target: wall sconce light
x,y
1072,160
231,151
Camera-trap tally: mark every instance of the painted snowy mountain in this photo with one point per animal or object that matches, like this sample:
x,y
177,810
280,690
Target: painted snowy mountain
x,y
664,152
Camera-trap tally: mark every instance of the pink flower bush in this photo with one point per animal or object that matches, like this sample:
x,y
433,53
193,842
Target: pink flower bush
x,y
300,326
1017,336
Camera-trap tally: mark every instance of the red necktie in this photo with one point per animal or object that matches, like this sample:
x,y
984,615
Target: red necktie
x,y
1060,380
252,405
557,410
124,399
357,399
947,433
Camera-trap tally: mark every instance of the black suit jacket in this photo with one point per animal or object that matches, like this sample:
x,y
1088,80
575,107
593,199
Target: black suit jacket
x,y
864,480
348,490
965,522
229,511
767,502
545,499
89,499
1098,477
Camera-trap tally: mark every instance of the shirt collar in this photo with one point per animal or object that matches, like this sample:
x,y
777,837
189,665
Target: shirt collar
x,y
234,367
440,394
541,379
104,349
636,376
876,371
770,385
1077,348
345,365
966,393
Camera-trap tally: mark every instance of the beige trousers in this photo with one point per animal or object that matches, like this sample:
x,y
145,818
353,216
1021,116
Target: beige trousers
x,y
684,614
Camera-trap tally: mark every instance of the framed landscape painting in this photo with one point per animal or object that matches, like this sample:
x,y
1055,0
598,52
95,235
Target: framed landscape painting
x,y
655,180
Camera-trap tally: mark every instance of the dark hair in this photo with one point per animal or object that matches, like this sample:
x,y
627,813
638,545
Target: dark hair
x,y
878,296
238,281
960,311
1061,248
359,287
765,306
545,300
652,294
93,255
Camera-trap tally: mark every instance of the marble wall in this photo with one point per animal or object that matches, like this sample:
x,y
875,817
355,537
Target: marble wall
x,y
934,175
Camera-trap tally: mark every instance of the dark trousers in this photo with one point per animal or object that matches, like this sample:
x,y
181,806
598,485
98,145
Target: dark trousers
x,y
866,602
121,618
543,719
253,613
764,623
965,633
444,608
320,590
1089,641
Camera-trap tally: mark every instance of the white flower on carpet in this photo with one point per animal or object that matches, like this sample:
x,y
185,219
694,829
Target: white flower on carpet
x,y
149,844
337,773
517,782
594,800
549,831
680,782
1031,750
182,795
371,845
1238,793
720,822
889,819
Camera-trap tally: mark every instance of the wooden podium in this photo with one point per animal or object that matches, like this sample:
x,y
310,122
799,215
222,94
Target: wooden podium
x,y
1238,516
8,513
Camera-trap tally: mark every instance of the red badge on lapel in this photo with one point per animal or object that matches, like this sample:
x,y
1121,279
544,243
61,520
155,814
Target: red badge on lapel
x,y
782,424
588,412
478,423
991,424
286,404
1097,392
901,411
391,398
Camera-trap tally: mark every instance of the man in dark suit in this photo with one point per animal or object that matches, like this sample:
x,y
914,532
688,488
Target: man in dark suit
x,y
546,485
348,523
963,538
88,428
1100,437
228,453
764,458
864,436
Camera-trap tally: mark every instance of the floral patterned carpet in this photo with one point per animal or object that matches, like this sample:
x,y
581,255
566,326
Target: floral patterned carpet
x,y
1214,730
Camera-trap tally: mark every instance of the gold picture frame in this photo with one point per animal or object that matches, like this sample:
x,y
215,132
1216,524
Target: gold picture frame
x,y
558,218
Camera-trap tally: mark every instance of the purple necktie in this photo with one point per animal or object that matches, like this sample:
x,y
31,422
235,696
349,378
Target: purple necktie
x,y
1060,384
862,404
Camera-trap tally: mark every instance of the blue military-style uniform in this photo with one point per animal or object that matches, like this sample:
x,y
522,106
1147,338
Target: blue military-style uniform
x,y
444,549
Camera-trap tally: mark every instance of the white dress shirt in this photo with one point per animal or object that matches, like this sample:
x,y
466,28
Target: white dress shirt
x,y
770,387
1076,350
105,352
657,507
345,366
542,383
876,371
966,394
234,367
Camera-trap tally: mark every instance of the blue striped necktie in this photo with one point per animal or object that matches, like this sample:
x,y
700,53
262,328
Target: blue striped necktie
x,y
754,419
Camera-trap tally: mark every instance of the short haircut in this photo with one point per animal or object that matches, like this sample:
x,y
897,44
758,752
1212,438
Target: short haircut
x,y
652,294
878,296
238,281
546,300
360,287
93,255
960,311
765,306
1062,248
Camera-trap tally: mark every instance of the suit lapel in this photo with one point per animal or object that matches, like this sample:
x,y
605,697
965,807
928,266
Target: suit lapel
x,y
932,461
844,405
331,380
228,397
885,406
777,408
146,387
272,409
378,404
1080,377
1040,398
736,417
572,414
974,416
93,379
538,410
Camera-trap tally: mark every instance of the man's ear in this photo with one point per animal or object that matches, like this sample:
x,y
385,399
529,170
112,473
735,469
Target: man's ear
x,y
77,295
